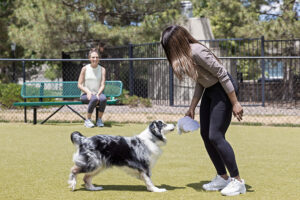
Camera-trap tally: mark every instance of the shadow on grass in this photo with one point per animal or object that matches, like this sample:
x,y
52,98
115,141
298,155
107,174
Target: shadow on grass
x,y
198,186
248,188
111,124
106,124
135,188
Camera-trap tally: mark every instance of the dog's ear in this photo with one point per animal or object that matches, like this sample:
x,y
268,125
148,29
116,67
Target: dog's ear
x,y
155,129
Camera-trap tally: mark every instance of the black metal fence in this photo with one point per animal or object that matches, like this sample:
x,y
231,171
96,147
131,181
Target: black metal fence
x,y
268,74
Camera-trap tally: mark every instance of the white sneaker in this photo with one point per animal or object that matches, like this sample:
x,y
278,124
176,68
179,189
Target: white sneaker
x,y
99,123
217,183
88,123
235,187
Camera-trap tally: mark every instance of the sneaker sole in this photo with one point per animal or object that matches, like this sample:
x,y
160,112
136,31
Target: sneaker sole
x,y
214,189
234,193
89,126
211,190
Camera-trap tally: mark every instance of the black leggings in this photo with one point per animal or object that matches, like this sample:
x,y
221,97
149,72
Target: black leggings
x,y
215,117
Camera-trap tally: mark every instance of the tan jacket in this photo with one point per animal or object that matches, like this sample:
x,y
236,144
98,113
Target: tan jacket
x,y
210,70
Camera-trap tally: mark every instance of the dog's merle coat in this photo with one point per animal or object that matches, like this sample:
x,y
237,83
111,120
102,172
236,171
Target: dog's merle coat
x,y
138,153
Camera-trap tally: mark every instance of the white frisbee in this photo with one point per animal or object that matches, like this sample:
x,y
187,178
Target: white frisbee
x,y
187,124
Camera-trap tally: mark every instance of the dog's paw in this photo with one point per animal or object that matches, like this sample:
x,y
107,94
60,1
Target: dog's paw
x,y
72,184
157,189
94,188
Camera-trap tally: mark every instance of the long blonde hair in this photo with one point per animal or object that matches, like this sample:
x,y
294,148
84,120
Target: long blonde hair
x,y
176,42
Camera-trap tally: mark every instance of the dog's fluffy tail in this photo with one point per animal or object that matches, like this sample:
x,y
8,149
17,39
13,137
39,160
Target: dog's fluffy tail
x,y
77,138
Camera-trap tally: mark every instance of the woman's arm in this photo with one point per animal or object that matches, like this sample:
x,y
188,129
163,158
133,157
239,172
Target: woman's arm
x,y
196,98
237,109
81,83
102,84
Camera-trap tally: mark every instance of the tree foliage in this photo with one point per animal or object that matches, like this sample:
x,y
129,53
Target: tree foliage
x,y
6,10
248,19
46,28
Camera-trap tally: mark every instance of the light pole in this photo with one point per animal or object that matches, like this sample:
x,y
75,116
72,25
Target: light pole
x,y
13,50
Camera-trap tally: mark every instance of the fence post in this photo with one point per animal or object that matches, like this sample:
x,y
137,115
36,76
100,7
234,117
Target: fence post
x,y
24,79
131,72
263,71
171,86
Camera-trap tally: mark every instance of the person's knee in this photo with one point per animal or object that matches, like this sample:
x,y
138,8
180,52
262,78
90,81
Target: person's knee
x,y
204,135
102,99
215,138
94,99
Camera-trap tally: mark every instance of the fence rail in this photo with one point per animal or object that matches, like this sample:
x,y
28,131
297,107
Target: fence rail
x,y
267,72
266,100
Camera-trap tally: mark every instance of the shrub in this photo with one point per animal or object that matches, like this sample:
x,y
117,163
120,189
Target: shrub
x,y
133,101
123,97
146,102
10,93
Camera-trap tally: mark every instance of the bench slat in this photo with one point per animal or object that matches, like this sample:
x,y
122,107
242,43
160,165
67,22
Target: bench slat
x,y
47,103
57,103
65,89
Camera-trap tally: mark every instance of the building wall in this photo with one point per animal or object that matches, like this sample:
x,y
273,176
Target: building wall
x,y
199,28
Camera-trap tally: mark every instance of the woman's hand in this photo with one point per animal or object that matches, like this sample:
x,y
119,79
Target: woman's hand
x,y
89,95
237,110
190,113
98,95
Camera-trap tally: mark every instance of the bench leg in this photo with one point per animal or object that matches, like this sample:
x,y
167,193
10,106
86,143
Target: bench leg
x,y
75,112
59,110
34,115
97,112
25,114
52,114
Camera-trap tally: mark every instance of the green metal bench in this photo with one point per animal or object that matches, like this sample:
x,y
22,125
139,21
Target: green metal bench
x,y
62,90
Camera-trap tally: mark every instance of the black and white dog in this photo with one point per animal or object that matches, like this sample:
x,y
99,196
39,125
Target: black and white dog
x,y
136,154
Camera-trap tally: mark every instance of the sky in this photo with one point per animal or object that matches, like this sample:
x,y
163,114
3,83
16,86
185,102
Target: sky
x,y
274,9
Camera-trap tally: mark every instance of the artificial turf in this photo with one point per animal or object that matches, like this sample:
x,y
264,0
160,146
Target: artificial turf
x,y
35,161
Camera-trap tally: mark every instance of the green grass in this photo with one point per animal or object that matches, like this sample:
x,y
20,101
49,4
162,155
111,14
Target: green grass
x,y
35,164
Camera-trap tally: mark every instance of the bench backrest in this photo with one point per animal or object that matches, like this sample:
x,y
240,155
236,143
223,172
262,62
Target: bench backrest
x,y
65,89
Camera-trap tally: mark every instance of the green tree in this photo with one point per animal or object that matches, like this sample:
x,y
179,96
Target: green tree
x,y
7,69
46,28
281,24
248,19
6,10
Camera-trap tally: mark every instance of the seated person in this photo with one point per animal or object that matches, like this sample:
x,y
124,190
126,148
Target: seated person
x,y
91,82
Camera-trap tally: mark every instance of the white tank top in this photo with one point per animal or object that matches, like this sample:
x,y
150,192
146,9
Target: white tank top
x,y
93,78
